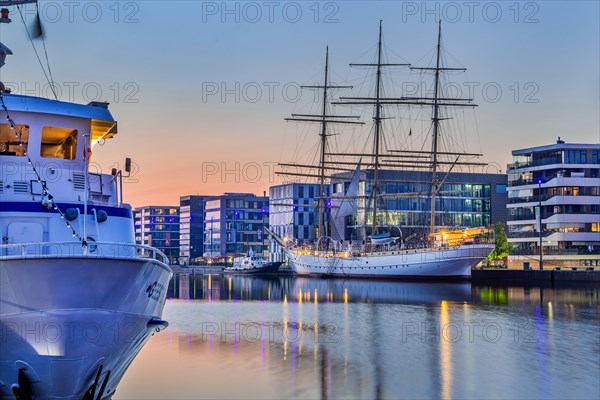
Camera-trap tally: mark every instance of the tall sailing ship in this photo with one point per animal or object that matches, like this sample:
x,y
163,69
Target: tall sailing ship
x,y
78,297
445,253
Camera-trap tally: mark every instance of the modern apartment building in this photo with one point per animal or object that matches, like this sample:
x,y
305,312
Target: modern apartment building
x,y
158,226
561,184
191,228
293,214
233,224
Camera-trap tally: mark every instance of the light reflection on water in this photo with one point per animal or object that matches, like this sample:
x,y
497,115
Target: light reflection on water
x,y
247,337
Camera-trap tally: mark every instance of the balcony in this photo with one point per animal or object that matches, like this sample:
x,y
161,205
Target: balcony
x,y
529,199
521,182
554,252
538,162
523,235
517,165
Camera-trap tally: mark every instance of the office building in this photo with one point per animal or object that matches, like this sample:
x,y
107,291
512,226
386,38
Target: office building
x,y
191,228
158,226
464,200
233,224
561,182
293,214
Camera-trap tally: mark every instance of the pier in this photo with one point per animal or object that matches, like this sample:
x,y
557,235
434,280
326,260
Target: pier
x,y
534,276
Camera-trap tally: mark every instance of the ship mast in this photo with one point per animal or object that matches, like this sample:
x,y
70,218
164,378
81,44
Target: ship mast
x,y
408,158
436,124
323,147
324,119
377,119
378,102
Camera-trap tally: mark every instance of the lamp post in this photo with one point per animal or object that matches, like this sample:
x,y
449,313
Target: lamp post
x,y
540,222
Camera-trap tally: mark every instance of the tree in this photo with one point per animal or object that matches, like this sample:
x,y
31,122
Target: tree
x,y
502,247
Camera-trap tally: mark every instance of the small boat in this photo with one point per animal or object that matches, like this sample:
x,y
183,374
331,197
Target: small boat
x,y
252,264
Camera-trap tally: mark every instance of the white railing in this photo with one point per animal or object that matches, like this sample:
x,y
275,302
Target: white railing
x,y
76,250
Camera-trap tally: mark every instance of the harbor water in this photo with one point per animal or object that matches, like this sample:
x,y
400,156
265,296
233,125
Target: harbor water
x,y
288,337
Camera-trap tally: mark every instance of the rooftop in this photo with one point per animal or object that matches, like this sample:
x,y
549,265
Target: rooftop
x,y
559,145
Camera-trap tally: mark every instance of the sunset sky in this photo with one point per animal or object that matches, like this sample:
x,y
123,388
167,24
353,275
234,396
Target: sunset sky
x,y
202,87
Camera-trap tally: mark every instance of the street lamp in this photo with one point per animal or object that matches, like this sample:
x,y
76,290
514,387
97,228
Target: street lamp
x,y
540,222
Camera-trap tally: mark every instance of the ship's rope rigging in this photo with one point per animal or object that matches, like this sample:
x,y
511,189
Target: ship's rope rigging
x,y
38,24
48,200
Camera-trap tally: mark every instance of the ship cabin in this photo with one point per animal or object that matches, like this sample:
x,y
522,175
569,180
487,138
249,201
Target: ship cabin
x,y
51,152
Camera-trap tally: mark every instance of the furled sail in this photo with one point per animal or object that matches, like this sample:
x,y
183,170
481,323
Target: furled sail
x,y
343,205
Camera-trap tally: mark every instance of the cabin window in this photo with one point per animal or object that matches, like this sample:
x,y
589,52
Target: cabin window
x,y
58,143
9,144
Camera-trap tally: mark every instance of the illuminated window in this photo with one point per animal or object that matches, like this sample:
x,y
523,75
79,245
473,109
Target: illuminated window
x,y
9,144
58,143
596,227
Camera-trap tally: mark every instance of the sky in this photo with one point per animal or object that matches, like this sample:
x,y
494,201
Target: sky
x,y
201,89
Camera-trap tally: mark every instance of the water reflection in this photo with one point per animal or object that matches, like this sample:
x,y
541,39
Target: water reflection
x,y
241,336
306,290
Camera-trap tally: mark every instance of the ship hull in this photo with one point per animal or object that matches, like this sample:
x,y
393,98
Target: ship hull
x,y
437,263
64,319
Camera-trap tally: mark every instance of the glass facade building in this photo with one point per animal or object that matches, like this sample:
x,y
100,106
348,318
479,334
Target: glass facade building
x,y
191,228
564,179
293,214
233,224
158,226
464,200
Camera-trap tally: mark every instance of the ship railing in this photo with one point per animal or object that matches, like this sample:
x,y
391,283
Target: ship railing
x,y
346,249
76,250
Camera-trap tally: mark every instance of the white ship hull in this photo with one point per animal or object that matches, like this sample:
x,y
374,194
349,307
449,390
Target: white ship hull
x,y
62,319
452,262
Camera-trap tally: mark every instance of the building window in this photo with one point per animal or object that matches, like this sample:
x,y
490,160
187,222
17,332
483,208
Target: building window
x,y
500,189
575,157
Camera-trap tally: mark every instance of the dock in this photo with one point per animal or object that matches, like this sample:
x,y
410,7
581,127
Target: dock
x,y
534,276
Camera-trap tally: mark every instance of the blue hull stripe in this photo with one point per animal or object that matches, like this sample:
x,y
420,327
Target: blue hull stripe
x,y
33,207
